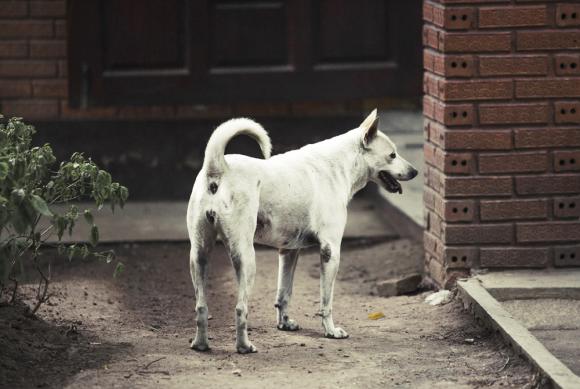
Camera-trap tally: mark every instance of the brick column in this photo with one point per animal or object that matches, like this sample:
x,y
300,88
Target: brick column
x,y
502,108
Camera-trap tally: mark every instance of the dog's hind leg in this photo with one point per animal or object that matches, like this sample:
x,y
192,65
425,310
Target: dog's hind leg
x,y
287,260
243,259
201,246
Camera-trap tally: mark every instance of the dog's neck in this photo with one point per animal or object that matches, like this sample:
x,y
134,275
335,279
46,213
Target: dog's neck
x,y
360,171
344,154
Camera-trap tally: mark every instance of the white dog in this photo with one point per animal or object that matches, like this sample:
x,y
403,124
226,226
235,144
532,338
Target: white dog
x,y
290,201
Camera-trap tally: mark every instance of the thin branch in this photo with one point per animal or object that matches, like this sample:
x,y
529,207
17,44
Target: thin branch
x,y
14,289
152,362
60,197
42,291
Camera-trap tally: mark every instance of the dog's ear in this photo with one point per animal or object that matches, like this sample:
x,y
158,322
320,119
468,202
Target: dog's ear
x,y
370,127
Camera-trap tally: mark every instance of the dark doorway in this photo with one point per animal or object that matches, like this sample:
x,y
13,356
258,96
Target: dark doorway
x,y
225,51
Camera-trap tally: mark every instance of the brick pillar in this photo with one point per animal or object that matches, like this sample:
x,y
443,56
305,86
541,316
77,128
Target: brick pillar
x,y
502,108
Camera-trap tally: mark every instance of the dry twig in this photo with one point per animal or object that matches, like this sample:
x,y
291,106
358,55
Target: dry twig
x,y
507,361
152,362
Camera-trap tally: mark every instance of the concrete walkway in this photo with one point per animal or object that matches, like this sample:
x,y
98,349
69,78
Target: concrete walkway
x,y
405,128
165,222
537,312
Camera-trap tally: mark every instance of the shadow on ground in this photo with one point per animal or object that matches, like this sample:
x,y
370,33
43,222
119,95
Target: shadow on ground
x,y
134,331
40,353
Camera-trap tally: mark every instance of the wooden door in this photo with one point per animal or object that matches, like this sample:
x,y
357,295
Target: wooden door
x,y
224,51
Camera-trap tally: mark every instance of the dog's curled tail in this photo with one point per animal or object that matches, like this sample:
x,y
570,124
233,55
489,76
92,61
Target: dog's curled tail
x,y
214,162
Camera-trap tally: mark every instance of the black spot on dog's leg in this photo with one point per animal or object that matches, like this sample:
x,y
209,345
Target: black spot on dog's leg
x,y
213,187
325,253
202,259
310,238
236,262
210,215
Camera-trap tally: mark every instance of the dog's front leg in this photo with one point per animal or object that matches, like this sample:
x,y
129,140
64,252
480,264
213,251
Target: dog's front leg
x,y
287,260
329,261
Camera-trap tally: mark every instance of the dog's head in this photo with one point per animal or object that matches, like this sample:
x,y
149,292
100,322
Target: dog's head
x,y
387,167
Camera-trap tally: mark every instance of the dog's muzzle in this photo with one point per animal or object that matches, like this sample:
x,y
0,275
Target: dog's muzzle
x,y
390,183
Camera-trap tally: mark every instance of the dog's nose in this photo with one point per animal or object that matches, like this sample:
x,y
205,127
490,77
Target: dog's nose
x,y
413,174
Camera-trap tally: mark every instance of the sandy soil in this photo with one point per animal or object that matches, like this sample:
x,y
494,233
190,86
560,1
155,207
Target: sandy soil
x,y
134,331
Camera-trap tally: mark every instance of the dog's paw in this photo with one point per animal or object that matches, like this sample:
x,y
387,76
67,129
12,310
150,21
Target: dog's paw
x,y
247,349
336,333
289,325
200,346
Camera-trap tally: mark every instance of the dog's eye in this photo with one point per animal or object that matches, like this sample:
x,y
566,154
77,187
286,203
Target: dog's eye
x,y
393,155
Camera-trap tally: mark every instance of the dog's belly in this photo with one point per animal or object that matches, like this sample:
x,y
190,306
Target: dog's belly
x,y
283,235
292,241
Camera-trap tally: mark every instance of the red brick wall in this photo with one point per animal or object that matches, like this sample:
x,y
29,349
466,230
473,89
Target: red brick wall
x,y
502,115
33,76
32,58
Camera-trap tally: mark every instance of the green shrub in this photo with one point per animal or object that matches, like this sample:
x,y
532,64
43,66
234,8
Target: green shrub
x,y
31,183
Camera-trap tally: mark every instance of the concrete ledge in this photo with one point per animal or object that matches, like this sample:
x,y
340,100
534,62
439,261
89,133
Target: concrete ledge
x,y
525,284
485,306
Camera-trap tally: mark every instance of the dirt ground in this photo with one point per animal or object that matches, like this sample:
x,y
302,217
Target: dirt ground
x,y
135,330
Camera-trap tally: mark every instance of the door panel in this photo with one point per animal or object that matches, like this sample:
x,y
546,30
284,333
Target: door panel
x,y
238,43
347,32
150,39
224,51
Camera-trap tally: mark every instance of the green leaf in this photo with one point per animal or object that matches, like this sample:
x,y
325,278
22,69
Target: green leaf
x,y
107,256
40,205
3,215
71,251
84,251
3,170
60,223
88,216
118,269
73,212
94,238
71,225
18,169
124,194
18,195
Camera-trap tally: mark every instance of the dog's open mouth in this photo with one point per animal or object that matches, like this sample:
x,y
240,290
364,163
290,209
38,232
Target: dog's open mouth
x,y
390,183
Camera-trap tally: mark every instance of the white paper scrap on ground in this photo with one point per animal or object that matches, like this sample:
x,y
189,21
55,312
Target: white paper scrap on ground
x,y
439,298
